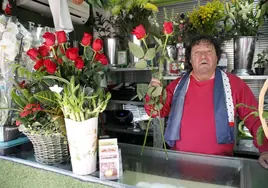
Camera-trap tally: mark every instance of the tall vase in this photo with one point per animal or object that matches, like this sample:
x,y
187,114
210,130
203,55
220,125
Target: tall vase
x,y
111,50
244,48
132,58
82,139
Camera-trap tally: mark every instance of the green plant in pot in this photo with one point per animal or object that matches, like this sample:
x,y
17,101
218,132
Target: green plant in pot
x,y
262,61
8,131
243,20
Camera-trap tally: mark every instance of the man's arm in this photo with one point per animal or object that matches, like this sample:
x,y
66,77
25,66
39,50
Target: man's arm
x,y
167,105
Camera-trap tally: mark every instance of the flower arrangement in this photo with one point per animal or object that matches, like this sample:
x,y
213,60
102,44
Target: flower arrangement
x,y
207,19
262,59
157,95
244,17
63,82
128,14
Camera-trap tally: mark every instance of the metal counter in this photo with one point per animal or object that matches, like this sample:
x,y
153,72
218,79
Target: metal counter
x,y
183,170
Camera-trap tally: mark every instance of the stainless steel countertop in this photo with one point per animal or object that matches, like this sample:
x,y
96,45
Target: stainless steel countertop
x,y
181,168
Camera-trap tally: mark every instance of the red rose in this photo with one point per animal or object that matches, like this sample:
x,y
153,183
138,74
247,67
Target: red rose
x,y
101,58
43,51
97,45
86,40
50,39
139,32
61,37
79,63
8,9
168,28
18,123
32,53
39,64
59,61
72,53
50,66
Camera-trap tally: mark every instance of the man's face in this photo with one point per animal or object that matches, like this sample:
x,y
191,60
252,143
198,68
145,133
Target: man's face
x,y
203,58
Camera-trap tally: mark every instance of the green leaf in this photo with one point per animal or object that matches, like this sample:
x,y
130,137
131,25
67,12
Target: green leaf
x,y
141,90
150,90
136,50
46,97
265,114
158,41
150,54
260,136
141,64
20,101
64,58
88,53
164,96
157,91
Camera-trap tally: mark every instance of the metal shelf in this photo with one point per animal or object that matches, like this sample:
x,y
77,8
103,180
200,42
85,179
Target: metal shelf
x,y
250,77
127,102
115,69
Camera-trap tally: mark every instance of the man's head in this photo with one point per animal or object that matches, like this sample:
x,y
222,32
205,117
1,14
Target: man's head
x,y
203,54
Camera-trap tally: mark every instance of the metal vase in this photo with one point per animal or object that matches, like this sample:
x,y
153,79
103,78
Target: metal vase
x,y
172,53
133,59
111,50
244,48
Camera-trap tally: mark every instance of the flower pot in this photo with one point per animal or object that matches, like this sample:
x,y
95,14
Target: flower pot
x,y
82,139
259,71
8,133
111,50
132,58
244,47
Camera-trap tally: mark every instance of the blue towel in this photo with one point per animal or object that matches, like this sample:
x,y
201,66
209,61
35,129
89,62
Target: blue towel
x,y
224,132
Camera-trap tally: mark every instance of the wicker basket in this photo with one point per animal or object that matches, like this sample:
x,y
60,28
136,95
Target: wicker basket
x,y
51,149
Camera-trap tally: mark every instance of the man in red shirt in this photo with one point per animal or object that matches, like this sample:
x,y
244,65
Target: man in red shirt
x,y
201,115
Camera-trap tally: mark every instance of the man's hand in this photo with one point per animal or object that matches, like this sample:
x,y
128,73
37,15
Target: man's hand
x,y
263,159
155,82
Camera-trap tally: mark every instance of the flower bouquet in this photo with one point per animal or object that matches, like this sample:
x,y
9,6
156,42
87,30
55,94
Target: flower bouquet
x,y
156,96
76,85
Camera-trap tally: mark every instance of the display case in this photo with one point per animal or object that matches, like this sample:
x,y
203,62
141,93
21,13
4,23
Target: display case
x,y
182,169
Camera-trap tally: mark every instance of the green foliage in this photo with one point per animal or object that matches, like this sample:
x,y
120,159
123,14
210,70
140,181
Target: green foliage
x,y
262,59
255,113
244,17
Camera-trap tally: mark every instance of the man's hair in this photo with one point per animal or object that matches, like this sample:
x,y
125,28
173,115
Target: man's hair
x,y
196,40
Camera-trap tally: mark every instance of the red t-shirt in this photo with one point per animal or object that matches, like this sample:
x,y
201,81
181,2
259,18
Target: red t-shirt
x,y
198,129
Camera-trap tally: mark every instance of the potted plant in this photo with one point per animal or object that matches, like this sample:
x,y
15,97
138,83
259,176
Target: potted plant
x,y
261,62
78,84
244,18
127,15
40,119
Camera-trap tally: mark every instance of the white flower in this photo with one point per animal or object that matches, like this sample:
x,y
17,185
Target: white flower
x,y
130,16
12,28
3,19
2,27
56,89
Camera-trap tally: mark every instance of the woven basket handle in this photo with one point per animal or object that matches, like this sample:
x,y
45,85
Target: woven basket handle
x,y
261,103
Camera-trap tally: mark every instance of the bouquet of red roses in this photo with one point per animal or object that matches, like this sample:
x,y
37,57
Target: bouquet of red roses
x,y
65,79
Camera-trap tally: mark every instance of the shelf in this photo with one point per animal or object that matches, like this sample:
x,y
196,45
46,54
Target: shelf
x,y
115,69
127,130
253,77
140,103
